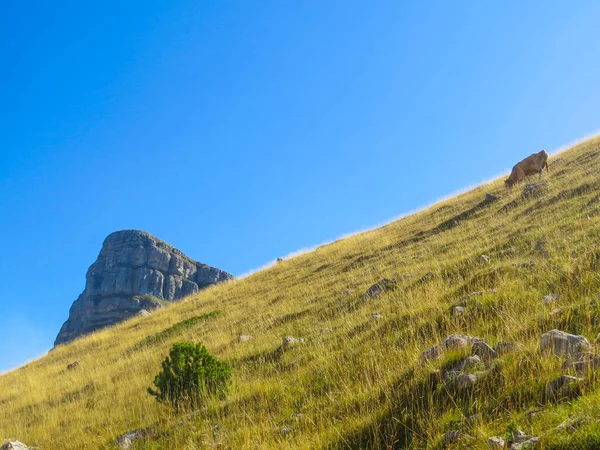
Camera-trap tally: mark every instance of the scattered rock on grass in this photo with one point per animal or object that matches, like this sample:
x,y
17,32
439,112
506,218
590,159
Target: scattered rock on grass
x,y
455,341
495,443
380,287
550,298
126,440
432,353
290,341
73,365
484,351
563,344
572,424
468,363
532,190
519,437
563,386
451,436
467,380
451,342
524,445
14,445
376,316
458,310
244,338
582,362
484,259
285,431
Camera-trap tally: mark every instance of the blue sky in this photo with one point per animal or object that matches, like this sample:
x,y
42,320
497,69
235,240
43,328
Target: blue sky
x,y
242,131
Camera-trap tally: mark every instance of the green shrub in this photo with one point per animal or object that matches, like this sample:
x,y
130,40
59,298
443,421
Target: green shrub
x,y
189,375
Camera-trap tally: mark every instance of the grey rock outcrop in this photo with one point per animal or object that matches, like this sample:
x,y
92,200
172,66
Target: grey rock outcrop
x,y
134,271
563,344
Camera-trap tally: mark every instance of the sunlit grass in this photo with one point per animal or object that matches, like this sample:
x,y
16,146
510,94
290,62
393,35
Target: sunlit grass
x,y
355,382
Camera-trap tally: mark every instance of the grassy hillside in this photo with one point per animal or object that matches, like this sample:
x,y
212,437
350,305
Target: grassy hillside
x,y
358,382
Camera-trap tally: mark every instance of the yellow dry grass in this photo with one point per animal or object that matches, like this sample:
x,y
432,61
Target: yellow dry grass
x,y
356,382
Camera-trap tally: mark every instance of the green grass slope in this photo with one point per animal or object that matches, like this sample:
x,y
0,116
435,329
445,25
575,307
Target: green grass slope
x,y
357,382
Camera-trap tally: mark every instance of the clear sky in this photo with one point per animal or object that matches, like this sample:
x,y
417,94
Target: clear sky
x,y
242,131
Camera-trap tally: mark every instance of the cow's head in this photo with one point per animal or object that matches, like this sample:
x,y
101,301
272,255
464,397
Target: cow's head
x,y
508,183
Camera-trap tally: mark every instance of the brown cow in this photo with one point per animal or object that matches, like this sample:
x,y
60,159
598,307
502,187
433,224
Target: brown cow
x,y
531,165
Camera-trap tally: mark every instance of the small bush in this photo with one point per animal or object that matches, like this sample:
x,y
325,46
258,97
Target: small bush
x,y
190,374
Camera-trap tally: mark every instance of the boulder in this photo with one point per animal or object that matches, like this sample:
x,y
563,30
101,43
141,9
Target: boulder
x,y
563,386
134,271
484,351
451,436
496,443
432,353
380,287
582,362
14,445
451,342
563,344
468,363
456,341
467,380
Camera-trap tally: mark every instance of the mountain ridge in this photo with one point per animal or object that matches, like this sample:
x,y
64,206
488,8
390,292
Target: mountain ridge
x,y
134,271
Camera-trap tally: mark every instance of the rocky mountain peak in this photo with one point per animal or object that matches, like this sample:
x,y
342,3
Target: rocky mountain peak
x,y
134,271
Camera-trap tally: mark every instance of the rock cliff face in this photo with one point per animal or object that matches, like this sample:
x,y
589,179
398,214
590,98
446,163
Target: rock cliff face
x,y
134,271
